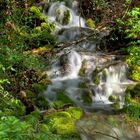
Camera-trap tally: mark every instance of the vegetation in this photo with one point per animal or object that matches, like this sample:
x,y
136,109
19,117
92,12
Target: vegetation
x,y
26,44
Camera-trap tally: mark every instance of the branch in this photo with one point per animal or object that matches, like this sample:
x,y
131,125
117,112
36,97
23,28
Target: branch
x,y
69,43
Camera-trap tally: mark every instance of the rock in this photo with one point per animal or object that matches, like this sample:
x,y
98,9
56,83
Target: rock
x,y
114,98
64,63
87,96
63,16
95,77
83,85
100,126
82,70
83,96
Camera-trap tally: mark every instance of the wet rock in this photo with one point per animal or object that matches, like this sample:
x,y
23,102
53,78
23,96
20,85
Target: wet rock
x,y
87,97
64,63
99,126
82,70
63,16
114,98
83,85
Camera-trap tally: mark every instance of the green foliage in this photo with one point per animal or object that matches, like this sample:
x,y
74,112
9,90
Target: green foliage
x,y
12,129
133,23
10,105
130,25
132,101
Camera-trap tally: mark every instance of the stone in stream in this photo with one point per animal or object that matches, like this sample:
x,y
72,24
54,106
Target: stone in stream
x,y
63,16
64,63
132,101
82,70
100,126
95,77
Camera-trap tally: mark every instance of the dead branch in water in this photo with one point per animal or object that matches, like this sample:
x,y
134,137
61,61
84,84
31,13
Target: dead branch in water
x,y
74,42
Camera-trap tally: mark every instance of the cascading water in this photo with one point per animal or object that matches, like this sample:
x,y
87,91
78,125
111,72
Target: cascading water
x,y
81,72
63,16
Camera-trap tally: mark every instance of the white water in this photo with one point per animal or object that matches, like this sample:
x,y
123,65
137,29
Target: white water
x,y
64,73
54,17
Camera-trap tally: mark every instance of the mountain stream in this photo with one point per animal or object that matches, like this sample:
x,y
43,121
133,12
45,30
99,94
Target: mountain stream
x,y
92,79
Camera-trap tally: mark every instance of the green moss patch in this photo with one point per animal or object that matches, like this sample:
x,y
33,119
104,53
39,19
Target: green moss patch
x,y
63,122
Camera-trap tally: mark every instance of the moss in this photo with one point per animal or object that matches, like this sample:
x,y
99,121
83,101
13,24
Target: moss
x,y
90,23
134,73
62,101
75,113
63,122
104,73
82,85
114,98
95,77
116,106
82,70
66,16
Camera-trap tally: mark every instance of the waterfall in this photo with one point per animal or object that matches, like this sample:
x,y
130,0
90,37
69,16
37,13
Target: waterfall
x,y
64,17
80,70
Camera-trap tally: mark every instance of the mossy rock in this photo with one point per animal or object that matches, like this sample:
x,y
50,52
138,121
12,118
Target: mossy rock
x,y
116,106
83,85
63,122
66,14
62,101
82,70
104,73
95,77
90,23
86,96
114,98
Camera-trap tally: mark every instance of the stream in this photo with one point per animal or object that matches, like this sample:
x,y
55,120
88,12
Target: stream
x,y
92,79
